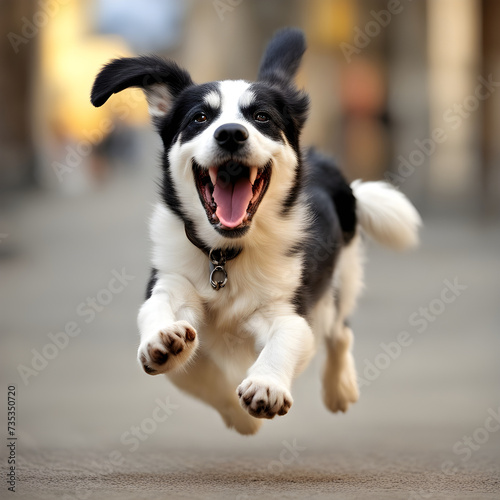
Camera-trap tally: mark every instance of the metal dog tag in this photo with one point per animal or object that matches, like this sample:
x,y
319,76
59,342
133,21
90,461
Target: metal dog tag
x,y
218,274
218,277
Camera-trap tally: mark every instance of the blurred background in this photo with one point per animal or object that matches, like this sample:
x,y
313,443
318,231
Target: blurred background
x,y
383,77
402,90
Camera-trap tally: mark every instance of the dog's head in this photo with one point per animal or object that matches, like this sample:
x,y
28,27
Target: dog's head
x,y
231,147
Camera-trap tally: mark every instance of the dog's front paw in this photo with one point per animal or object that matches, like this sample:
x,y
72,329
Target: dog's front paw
x,y
168,349
264,399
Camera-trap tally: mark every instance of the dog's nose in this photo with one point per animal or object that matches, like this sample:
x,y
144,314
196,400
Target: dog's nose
x,y
231,136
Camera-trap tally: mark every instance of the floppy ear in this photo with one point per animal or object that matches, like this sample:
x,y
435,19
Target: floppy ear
x,y
161,81
283,54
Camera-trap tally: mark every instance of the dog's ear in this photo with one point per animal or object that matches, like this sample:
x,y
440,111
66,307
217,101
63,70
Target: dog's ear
x,y
161,81
283,54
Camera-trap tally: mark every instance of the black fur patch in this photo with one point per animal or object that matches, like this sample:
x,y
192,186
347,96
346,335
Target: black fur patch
x,y
168,191
187,106
325,172
295,190
151,283
333,208
286,106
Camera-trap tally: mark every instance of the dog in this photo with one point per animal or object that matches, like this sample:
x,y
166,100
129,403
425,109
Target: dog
x,y
258,244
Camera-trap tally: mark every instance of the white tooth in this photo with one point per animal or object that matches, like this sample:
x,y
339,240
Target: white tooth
x,y
213,174
253,174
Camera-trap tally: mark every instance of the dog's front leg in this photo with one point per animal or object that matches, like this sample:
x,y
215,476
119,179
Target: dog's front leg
x,y
287,345
167,323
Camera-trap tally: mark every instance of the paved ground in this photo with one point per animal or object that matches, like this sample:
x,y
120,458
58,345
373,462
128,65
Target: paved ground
x,y
79,411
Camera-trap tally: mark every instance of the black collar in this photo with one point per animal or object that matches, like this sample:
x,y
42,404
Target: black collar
x,y
217,258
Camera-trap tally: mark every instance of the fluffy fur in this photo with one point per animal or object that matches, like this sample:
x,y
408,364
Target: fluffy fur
x,y
298,272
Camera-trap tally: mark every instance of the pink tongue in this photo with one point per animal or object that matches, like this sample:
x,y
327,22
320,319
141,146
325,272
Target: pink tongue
x,y
232,201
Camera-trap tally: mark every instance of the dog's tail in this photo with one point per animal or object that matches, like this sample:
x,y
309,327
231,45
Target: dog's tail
x,y
386,214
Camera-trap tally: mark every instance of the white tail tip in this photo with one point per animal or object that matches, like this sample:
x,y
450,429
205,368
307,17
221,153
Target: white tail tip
x,y
386,214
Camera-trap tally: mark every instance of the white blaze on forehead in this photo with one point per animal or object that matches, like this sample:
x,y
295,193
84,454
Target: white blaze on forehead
x,y
235,95
212,99
246,99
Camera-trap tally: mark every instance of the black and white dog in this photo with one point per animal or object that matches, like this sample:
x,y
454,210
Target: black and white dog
x,y
257,249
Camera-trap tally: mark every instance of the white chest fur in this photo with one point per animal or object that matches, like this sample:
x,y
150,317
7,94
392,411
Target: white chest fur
x,y
264,276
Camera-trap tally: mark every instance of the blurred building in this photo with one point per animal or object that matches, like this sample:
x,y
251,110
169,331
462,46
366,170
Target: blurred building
x,y
403,90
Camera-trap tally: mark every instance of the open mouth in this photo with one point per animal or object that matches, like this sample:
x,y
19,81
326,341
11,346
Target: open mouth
x,y
231,192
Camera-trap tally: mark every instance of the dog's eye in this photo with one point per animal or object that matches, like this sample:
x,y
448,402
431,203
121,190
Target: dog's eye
x,y
200,118
261,117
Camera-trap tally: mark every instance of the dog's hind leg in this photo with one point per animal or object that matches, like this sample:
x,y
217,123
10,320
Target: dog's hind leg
x,y
204,380
340,388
